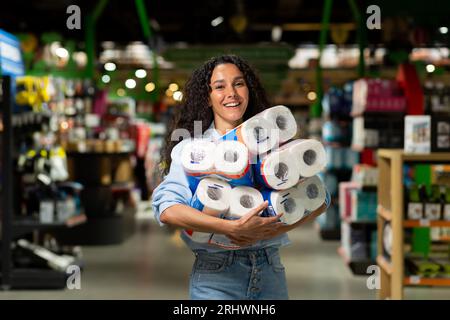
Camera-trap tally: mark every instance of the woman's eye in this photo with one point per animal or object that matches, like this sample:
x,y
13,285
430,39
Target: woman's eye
x,y
218,87
239,84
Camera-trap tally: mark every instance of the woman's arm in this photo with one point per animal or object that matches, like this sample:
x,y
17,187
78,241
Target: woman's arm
x,y
249,229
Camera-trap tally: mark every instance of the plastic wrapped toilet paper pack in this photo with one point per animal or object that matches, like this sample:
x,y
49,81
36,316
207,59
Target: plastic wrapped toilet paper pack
x,y
197,157
232,164
283,119
311,192
277,170
200,237
242,199
212,198
287,202
309,154
258,134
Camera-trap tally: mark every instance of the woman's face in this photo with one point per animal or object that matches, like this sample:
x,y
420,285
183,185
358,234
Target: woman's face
x,y
229,93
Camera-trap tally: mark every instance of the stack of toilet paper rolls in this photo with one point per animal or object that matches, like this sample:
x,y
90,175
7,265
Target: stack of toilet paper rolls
x,y
252,163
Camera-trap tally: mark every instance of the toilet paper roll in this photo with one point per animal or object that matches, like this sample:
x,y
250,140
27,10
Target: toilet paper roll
x,y
243,199
232,163
197,157
287,202
283,119
211,196
258,134
309,154
196,236
278,170
311,192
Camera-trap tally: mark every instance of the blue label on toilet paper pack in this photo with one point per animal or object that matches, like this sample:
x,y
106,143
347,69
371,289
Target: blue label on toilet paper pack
x,y
196,203
193,182
230,135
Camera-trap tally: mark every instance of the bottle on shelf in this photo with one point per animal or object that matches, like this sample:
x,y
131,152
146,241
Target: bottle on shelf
x,y
446,212
433,204
415,204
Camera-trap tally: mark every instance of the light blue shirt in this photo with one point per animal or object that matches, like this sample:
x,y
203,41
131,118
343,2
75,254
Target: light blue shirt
x,y
174,189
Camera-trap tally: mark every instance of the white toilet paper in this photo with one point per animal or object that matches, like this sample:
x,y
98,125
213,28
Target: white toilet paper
x,y
309,154
243,199
232,163
197,157
311,192
277,170
196,236
258,134
283,119
211,196
287,202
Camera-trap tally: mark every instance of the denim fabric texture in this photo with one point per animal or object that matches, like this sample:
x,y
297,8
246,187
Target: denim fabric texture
x,y
238,275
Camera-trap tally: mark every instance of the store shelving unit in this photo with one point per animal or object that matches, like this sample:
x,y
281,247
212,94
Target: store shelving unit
x,y
14,226
391,209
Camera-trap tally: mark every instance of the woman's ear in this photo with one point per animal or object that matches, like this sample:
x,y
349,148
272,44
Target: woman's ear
x,y
209,103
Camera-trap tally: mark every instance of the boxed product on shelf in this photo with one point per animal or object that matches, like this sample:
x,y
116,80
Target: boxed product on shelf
x,y
365,175
345,198
417,134
440,134
364,205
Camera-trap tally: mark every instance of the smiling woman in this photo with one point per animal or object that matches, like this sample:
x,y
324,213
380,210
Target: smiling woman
x,y
222,94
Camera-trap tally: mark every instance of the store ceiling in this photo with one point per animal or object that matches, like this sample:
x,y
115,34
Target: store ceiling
x,y
190,21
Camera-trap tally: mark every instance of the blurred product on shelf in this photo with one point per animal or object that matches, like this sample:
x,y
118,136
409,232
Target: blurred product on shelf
x,y
377,95
417,134
365,175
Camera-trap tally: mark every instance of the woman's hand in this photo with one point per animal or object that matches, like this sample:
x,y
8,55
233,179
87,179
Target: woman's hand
x,y
251,227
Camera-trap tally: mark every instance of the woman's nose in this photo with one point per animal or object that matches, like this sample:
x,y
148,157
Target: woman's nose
x,y
231,92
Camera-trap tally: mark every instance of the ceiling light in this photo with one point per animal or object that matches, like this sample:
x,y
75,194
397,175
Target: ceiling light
x,y
110,66
130,83
173,87
149,87
311,95
430,68
62,52
177,95
443,30
217,21
140,73
106,78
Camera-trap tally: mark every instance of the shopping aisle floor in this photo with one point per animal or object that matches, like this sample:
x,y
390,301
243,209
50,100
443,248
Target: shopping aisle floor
x,y
153,264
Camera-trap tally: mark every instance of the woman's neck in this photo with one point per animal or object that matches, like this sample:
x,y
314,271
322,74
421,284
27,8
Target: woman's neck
x,y
223,126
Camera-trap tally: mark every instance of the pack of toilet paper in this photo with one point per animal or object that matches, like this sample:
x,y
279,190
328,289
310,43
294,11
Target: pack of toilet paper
x,y
265,131
227,184
226,160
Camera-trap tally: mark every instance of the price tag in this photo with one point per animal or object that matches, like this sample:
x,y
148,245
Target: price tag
x,y
414,279
424,222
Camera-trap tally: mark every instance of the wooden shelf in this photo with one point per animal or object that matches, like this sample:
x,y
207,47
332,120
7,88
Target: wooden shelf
x,y
419,281
384,264
425,223
384,213
426,157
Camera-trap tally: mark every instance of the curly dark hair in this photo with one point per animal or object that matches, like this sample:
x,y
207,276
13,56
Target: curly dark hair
x,y
196,100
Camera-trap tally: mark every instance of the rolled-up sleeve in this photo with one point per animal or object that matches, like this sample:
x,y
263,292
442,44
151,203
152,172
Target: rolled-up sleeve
x,y
174,189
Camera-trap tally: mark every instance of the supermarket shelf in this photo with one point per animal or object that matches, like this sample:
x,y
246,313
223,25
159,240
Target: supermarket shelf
x,y
350,221
384,213
419,281
384,264
425,223
431,157
27,224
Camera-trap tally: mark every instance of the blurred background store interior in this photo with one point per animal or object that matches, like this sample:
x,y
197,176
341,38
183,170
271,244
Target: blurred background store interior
x,y
89,89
